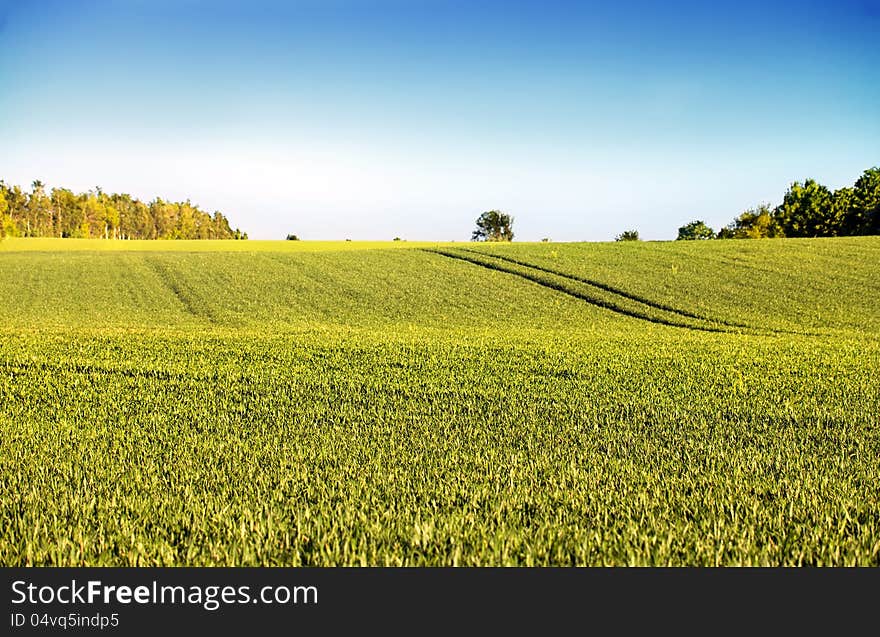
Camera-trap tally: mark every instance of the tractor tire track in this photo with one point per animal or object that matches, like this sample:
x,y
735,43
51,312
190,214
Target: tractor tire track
x,y
187,299
613,290
593,300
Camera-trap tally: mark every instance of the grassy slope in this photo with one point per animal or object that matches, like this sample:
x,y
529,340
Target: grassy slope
x,y
798,284
293,403
266,290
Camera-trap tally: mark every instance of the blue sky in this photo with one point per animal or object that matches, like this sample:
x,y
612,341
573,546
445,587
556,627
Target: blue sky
x,y
374,119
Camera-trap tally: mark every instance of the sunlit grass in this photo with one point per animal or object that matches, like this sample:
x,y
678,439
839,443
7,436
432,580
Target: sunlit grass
x,y
16,244
298,403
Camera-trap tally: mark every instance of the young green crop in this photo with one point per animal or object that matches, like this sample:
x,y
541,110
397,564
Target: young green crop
x,y
399,406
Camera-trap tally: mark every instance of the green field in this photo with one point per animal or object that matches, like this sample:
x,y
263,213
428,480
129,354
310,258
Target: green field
x,y
291,403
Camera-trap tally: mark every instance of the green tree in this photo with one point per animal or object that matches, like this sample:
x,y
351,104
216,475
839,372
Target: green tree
x,y
130,219
16,212
164,216
38,221
4,206
111,221
628,235
842,203
142,226
806,211
493,225
754,223
112,216
91,222
695,230
186,221
863,215
65,208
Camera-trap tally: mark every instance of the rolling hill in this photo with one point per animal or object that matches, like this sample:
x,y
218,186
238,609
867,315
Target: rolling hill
x,y
418,403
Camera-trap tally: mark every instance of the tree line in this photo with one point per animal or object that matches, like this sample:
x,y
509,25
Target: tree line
x,y
96,214
808,209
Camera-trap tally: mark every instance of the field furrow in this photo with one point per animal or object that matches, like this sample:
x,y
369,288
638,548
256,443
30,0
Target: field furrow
x,y
621,304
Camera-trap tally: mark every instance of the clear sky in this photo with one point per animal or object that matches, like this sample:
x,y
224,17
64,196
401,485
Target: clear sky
x,y
373,119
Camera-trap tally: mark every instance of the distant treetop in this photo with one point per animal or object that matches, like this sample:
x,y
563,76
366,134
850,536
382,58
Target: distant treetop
x,y
493,225
809,209
695,230
96,214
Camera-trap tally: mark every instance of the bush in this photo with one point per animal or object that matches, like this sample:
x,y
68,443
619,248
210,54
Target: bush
x,y
754,223
695,231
